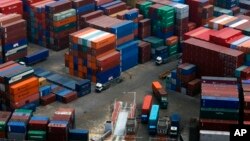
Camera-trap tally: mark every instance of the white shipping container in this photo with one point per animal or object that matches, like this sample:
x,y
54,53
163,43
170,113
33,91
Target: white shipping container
x,y
206,135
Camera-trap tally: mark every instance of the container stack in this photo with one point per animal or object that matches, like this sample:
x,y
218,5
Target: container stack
x,y
124,30
172,44
38,128
143,7
246,107
19,86
245,6
11,6
61,21
14,39
162,20
62,121
229,7
4,118
92,55
185,73
239,23
144,28
144,52
18,124
129,55
133,15
82,7
55,86
213,59
200,17
37,22
180,17
155,43
219,104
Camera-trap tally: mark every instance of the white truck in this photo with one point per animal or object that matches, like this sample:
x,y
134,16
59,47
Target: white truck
x,y
99,87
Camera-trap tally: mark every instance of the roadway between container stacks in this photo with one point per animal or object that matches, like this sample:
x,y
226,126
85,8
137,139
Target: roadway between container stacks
x,y
94,109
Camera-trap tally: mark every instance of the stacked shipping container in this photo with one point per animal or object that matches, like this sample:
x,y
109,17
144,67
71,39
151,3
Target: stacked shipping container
x,y
13,37
4,118
92,55
61,21
214,60
219,104
19,86
18,124
38,128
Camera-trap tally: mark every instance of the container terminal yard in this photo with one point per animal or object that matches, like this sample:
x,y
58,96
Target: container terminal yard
x,y
124,70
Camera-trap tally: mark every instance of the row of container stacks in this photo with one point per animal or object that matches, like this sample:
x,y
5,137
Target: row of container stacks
x,y
184,80
246,95
220,107
175,21
20,88
50,22
13,38
23,125
15,80
56,87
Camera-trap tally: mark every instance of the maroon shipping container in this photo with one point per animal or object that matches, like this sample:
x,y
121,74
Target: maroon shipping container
x,y
38,125
219,90
69,97
48,99
108,60
247,115
80,3
246,100
144,52
115,8
211,59
219,125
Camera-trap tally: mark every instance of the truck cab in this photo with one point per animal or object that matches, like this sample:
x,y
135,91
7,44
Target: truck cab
x,y
158,60
99,87
164,102
175,125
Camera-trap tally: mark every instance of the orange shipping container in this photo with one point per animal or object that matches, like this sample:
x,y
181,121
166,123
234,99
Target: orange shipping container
x,y
24,94
156,85
65,21
24,85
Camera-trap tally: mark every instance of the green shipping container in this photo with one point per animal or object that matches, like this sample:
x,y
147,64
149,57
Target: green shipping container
x,y
64,15
36,135
154,41
216,113
2,126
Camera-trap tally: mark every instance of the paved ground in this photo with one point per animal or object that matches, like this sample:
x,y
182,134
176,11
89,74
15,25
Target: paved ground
x,y
94,109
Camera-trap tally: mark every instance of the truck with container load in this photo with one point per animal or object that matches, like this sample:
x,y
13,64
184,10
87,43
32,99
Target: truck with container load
x,y
160,93
163,60
175,125
99,87
146,106
163,126
153,119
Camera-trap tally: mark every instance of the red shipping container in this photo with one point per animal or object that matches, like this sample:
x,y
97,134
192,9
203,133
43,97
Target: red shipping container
x,y
38,125
13,6
147,103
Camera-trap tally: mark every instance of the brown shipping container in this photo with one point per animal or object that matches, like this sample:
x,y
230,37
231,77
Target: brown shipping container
x,y
48,99
221,125
108,60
